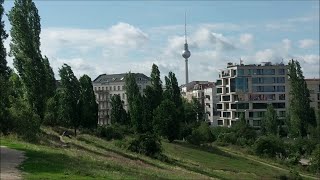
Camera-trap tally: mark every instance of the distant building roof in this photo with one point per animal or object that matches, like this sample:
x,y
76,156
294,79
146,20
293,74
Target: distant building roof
x,y
193,85
119,77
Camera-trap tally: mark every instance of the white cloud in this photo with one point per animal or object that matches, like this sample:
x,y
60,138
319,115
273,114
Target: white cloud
x,y
286,45
307,43
246,40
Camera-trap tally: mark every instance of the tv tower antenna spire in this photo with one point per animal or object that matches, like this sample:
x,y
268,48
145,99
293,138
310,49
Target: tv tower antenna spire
x,y
186,53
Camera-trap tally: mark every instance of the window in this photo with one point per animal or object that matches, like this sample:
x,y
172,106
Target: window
x,y
227,90
118,88
280,80
219,106
219,82
95,88
114,88
226,98
281,71
259,105
279,105
241,84
226,114
227,106
281,88
123,88
219,90
102,88
123,95
240,72
282,97
99,88
268,72
110,96
243,106
220,122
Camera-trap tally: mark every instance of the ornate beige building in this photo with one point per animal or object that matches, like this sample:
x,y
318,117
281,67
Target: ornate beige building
x,y
107,85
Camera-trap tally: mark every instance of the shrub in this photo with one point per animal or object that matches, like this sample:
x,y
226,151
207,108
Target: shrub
x,y
110,132
270,146
315,161
201,135
26,122
147,144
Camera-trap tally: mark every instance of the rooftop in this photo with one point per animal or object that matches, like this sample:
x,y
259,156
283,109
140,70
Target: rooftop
x,y
230,64
119,77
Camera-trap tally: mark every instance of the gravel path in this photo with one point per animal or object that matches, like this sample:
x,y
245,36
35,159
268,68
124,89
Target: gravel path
x,y
10,160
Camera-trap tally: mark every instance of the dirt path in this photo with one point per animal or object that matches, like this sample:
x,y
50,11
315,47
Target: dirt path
x,y
10,160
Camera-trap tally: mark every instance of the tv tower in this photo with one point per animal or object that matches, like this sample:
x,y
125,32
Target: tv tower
x,y
186,53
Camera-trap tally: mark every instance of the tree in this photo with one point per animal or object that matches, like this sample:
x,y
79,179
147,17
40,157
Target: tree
x,y
156,85
270,123
70,97
135,102
300,113
118,114
25,48
89,107
166,122
4,77
50,80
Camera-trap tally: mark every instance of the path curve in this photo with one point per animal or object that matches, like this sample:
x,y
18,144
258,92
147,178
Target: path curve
x,y
10,160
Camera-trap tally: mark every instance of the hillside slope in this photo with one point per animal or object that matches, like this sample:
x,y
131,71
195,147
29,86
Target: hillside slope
x,y
89,157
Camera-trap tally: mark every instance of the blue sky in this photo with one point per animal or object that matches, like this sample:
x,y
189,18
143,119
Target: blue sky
x,y
97,37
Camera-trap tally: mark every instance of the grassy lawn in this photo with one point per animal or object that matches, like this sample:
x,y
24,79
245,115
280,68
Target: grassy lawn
x,y
89,157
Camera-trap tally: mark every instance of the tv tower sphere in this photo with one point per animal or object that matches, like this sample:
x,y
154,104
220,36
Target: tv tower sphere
x,y
186,53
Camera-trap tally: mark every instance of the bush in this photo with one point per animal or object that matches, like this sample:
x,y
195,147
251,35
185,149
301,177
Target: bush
x,y
26,122
201,135
270,146
315,161
110,132
302,146
147,144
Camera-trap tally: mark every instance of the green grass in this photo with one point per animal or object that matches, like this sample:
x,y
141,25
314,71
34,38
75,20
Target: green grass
x,y
89,157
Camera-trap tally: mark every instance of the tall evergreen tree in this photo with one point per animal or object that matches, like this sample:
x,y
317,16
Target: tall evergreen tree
x,y
135,101
166,120
270,123
25,48
71,100
300,112
4,77
156,85
89,107
118,114
50,79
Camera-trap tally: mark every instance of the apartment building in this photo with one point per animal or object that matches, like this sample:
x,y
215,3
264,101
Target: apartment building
x,y
314,89
205,93
249,89
107,85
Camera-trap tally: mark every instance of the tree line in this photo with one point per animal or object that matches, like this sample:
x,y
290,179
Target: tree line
x,y
29,94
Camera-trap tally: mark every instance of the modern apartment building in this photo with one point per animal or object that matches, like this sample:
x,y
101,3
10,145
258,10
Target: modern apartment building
x,y
107,85
249,89
205,93
314,89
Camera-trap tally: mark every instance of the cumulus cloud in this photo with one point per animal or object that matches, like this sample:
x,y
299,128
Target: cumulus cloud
x,y
286,44
307,43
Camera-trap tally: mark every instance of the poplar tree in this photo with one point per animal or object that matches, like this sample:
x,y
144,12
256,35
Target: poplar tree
x,y
70,97
89,107
118,114
270,123
300,111
4,77
25,48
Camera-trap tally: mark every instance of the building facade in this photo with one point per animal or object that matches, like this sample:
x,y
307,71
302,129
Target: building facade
x,y
249,89
205,93
314,89
107,85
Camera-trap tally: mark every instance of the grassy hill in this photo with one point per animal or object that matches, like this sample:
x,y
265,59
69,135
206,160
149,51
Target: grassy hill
x,y
89,157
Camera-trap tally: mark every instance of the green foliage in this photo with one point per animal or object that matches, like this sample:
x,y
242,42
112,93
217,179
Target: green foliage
x,y
270,123
118,114
301,116
26,122
201,135
110,132
88,106
270,146
50,79
70,103
51,114
147,144
315,160
165,120
155,96
25,48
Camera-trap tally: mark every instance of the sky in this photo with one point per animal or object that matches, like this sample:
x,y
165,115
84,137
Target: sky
x,y
97,37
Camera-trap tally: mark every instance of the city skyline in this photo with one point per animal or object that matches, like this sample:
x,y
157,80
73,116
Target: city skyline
x,y
115,37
